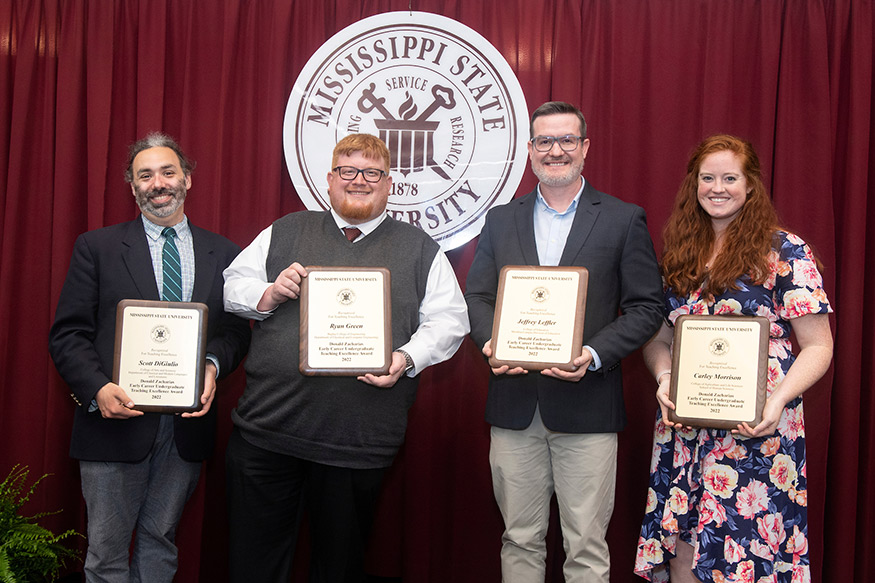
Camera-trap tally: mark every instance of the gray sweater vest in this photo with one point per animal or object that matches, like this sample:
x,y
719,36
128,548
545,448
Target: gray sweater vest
x,y
337,421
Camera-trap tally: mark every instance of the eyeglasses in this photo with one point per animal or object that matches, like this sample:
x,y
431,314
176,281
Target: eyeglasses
x,y
369,174
545,143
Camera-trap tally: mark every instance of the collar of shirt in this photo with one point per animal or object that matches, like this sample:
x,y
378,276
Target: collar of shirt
x,y
185,244
543,206
552,228
366,228
153,231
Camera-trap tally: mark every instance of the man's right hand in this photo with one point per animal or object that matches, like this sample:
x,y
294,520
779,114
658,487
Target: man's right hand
x,y
286,287
503,369
114,403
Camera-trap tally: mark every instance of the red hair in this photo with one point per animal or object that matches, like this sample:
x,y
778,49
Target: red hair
x,y
371,147
689,237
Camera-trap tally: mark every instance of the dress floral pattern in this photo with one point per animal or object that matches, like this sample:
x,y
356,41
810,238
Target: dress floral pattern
x,y
742,503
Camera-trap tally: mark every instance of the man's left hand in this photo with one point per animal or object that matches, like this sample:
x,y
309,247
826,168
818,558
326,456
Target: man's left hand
x,y
581,364
396,369
209,391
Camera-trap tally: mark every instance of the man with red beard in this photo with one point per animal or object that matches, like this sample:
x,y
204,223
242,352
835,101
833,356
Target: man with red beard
x,y
139,469
324,442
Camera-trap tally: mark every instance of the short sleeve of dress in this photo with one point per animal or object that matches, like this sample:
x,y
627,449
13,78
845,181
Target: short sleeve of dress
x,y
798,285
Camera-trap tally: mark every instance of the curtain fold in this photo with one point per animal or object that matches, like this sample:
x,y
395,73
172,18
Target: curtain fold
x,y
80,80
849,510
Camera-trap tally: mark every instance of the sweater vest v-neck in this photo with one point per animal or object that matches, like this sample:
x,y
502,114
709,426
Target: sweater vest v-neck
x,y
336,421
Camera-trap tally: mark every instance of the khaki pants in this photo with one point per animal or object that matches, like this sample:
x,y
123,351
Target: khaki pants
x,y
527,466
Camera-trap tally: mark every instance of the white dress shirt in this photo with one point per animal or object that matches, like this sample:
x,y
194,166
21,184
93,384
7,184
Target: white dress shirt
x,y
443,314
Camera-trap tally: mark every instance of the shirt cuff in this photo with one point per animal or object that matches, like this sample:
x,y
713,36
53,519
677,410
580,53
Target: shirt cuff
x,y
212,358
596,361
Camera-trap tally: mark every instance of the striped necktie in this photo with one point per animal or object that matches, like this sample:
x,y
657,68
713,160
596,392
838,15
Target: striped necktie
x,y
172,268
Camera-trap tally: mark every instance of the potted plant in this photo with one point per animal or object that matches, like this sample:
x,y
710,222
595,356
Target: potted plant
x,y
28,551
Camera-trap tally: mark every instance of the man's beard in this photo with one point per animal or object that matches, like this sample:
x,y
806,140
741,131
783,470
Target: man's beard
x,y
356,210
144,200
543,174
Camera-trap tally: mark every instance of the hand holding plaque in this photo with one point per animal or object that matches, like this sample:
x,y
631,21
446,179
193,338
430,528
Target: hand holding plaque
x,y
719,370
160,354
346,321
539,313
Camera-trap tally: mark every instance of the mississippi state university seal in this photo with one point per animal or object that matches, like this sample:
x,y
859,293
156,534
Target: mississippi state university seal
x,y
443,99
540,294
160,334
719,346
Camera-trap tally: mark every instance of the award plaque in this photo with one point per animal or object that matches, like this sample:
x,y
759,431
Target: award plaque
x,y
538,320
719,370
346,321
160,354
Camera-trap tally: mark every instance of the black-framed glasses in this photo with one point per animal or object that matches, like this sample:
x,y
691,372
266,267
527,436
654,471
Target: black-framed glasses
x,y
369,174
545,143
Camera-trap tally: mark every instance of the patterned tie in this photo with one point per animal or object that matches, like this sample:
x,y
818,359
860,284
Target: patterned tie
x,y
172,268
351,233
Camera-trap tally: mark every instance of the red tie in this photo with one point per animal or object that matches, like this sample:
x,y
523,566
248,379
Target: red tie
x,y
351,233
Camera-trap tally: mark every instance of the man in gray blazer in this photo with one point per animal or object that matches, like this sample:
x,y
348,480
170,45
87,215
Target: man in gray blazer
x,y
557,430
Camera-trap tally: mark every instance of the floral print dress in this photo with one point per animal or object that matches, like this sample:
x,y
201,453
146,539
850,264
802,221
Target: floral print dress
x,y
742,503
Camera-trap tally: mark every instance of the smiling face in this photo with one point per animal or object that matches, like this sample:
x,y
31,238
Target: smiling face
x,y
557,168
722,189
159,185
357,200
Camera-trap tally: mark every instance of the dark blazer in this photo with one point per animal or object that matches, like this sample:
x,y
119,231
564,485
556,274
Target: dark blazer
x,y
109,265
623,308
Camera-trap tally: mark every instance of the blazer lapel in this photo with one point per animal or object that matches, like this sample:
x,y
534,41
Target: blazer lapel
x,y
524,219
584,220
138,260
204,266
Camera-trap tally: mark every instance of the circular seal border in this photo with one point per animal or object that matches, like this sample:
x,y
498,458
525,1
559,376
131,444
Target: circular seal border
x,y
719,346
540,294
160,333
340,91
345,296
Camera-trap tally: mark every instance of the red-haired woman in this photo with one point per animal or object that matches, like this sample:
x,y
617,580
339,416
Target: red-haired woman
x,y
731,505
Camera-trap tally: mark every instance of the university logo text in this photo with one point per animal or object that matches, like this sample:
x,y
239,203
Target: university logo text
x,y
443,99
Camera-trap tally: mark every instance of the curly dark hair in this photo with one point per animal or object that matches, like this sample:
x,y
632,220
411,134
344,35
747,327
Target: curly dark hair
x,y
157,140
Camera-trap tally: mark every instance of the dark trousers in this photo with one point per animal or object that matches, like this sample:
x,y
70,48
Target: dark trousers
x,y
267,494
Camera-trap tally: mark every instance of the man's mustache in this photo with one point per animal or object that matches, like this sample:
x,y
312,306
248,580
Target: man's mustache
x,y
160,192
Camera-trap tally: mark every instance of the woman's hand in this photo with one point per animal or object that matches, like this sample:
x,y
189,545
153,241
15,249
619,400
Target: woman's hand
x,y
662,397
769,424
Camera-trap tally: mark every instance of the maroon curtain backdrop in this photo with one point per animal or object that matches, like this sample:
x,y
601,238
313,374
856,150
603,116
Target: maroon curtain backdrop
x,y
80,80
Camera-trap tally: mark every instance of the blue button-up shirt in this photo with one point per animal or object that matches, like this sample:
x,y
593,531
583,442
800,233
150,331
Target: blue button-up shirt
x,y
551,233
552,228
